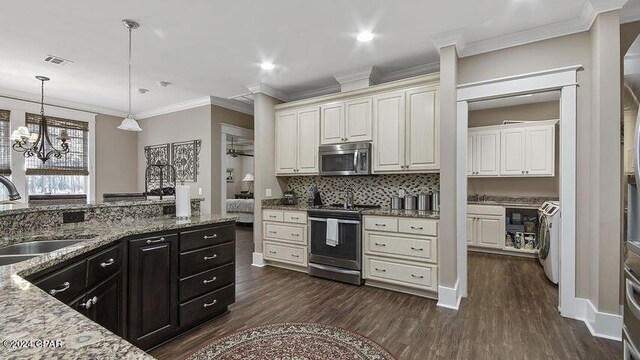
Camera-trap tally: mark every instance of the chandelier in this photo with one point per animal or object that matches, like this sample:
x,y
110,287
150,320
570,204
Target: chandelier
x,y
40,144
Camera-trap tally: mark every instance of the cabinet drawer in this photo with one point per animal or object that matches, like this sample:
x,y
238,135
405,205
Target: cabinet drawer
x,y
485,210
190,240
206,306
290,254
423,249
207,258
418,227
273,215
207,281
422,277
295,217
65,284
103,265
381,223
288,233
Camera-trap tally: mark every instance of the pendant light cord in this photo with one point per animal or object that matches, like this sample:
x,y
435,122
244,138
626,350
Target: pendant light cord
x,y
129,71
42,98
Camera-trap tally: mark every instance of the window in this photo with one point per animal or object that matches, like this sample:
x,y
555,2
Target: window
x,y
69,173
5,144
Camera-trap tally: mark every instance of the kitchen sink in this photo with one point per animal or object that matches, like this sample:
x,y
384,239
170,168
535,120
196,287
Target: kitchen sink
x,y
19,252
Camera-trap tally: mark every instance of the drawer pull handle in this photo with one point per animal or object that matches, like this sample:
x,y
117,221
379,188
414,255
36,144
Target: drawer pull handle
x,y
417,249
383,225
272,216
107,263
417,228
417,276
211,303
211,257
295,218
273,232
379,244
209,281
295,235
92,301
295,256
382,270
64,287
207,237
272,252
155,241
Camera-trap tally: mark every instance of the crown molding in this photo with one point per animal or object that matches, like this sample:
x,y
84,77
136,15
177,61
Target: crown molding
x,y
630,15
268,90
410,72
230,104
449,38
368,73
306,94
60,103
589,12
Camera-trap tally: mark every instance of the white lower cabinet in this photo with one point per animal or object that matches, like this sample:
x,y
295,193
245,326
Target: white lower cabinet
x,y
401,254
485,226
284,235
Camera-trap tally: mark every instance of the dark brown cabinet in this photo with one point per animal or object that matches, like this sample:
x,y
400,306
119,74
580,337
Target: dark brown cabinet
x,y
103,304
153,290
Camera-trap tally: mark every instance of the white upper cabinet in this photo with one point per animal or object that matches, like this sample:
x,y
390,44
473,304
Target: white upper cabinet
x,y
344,122
487,151
358,126
389,130
297,141
332,123
540,151
406,130
512,152
422,129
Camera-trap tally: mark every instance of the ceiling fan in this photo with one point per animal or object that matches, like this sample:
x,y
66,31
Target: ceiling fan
x,y
235,153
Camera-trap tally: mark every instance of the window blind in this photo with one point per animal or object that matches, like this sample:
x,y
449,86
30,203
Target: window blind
x,y
75,162
5,143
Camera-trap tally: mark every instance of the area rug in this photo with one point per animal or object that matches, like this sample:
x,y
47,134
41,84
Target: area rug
x,y
292,341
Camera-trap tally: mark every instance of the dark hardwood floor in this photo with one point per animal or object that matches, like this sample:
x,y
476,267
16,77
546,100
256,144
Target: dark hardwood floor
x,y
511,313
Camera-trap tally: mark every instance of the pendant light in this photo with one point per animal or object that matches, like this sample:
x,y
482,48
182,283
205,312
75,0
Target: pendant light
x,y
129,123
32,144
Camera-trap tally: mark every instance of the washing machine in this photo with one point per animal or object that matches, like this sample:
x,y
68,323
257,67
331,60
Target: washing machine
x,y
549,239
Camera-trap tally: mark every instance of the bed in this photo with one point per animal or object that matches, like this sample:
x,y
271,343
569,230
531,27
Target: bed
x,y
242,208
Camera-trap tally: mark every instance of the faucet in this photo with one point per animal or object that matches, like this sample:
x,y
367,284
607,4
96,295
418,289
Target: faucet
x,y
13,192
348,198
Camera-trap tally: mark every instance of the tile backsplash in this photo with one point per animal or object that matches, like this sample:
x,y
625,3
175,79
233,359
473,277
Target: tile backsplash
x,y
374,189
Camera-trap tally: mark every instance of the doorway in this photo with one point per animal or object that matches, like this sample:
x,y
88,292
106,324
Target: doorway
x,y
564,81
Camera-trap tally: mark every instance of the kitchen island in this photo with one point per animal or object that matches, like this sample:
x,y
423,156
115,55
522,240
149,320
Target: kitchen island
x,y
36,324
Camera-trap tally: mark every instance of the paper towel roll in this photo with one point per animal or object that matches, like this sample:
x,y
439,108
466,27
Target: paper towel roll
x,y
183,201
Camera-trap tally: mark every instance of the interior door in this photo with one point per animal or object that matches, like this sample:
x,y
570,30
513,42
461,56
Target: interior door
x,y
488,153
286,142
358,125
389,131
512,150
540,151
308,140
332,123
422,129
488,232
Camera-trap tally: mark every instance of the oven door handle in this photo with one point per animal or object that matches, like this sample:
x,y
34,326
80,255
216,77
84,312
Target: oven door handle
x,y
339,221
633,304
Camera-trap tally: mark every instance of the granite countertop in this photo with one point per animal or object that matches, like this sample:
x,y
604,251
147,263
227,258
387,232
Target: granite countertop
x,y
510,201
29,313
383,211
18,208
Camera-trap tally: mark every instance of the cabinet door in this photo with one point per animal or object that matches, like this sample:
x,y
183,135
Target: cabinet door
x,y
332,124
512,150
471,153
106,304
488,153
471,222
308,140
389,131
358,125
540,151
422,129
488,231
286,142
153,294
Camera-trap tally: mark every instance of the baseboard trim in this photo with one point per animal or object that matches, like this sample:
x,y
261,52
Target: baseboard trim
x,y
258,260
449,297
600,324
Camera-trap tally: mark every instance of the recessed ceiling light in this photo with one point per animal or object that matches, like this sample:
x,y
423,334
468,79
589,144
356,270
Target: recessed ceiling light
x,y
267,66
365,36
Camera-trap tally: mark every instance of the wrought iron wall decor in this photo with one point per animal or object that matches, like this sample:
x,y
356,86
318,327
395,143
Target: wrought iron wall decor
x,y
184,157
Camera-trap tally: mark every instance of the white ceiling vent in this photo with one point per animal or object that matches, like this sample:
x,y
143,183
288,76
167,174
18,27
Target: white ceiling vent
x,y
57,60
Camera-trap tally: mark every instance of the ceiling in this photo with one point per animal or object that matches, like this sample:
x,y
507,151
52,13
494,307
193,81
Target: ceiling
x,y
212,47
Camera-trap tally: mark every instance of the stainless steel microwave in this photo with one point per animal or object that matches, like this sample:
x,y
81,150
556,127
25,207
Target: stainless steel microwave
x,y
345,159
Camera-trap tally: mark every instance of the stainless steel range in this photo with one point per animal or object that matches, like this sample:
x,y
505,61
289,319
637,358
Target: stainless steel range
x,y
336,253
